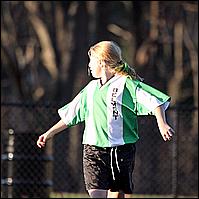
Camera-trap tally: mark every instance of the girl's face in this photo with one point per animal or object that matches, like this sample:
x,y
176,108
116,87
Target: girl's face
x,y
95,67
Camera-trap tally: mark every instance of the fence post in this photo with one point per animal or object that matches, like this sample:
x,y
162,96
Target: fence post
x,y
174,174
7,166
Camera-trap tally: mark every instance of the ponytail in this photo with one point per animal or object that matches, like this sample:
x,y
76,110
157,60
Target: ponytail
x,y
124,69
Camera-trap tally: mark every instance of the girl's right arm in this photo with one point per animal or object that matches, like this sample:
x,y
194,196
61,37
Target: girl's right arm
x,y
58,127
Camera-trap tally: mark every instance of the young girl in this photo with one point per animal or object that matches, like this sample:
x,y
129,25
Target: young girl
x,y
109,105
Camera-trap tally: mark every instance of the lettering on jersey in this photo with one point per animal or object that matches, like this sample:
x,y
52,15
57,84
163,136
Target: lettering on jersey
x,y
114,103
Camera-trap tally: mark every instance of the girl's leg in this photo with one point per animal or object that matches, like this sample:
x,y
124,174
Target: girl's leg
x,y
97,193
127,195
118,195
115,194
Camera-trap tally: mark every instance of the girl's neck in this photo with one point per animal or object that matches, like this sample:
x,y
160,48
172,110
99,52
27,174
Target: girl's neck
x,y
105,78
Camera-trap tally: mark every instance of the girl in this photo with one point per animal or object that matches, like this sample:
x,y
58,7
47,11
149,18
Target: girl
x,y
109,105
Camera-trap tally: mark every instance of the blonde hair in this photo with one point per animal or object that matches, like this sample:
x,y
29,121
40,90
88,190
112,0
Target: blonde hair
x,y
110,53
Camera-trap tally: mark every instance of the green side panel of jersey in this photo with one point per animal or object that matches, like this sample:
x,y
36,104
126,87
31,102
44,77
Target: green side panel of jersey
x,y
130,124
100,116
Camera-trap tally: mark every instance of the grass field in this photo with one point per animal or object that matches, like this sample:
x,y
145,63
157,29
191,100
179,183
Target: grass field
x,y
84,195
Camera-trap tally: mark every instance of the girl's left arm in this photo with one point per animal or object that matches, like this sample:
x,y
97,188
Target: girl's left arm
x,y
165,130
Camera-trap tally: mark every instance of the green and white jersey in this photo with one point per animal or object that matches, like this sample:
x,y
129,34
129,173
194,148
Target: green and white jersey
x,y
110,112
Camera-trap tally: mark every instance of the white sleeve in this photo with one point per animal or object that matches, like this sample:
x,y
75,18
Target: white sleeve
x,y
149,101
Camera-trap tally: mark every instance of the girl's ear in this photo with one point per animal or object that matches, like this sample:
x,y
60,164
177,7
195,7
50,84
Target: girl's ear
x,y
102,63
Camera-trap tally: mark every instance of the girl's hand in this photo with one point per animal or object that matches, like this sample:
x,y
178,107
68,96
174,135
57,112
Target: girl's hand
x,y
166,131
41,140
58,127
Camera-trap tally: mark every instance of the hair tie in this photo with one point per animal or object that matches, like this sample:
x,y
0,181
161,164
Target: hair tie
x,y
126,67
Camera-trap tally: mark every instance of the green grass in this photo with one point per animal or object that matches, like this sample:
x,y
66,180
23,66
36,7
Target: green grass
x,y
84,195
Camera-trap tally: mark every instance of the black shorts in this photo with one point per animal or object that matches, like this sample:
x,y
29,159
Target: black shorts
x,y
109,168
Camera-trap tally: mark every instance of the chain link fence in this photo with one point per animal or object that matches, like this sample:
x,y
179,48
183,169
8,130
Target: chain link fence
x,y
166,168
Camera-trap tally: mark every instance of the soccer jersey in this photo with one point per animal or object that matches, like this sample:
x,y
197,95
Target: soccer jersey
x,y
110,111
